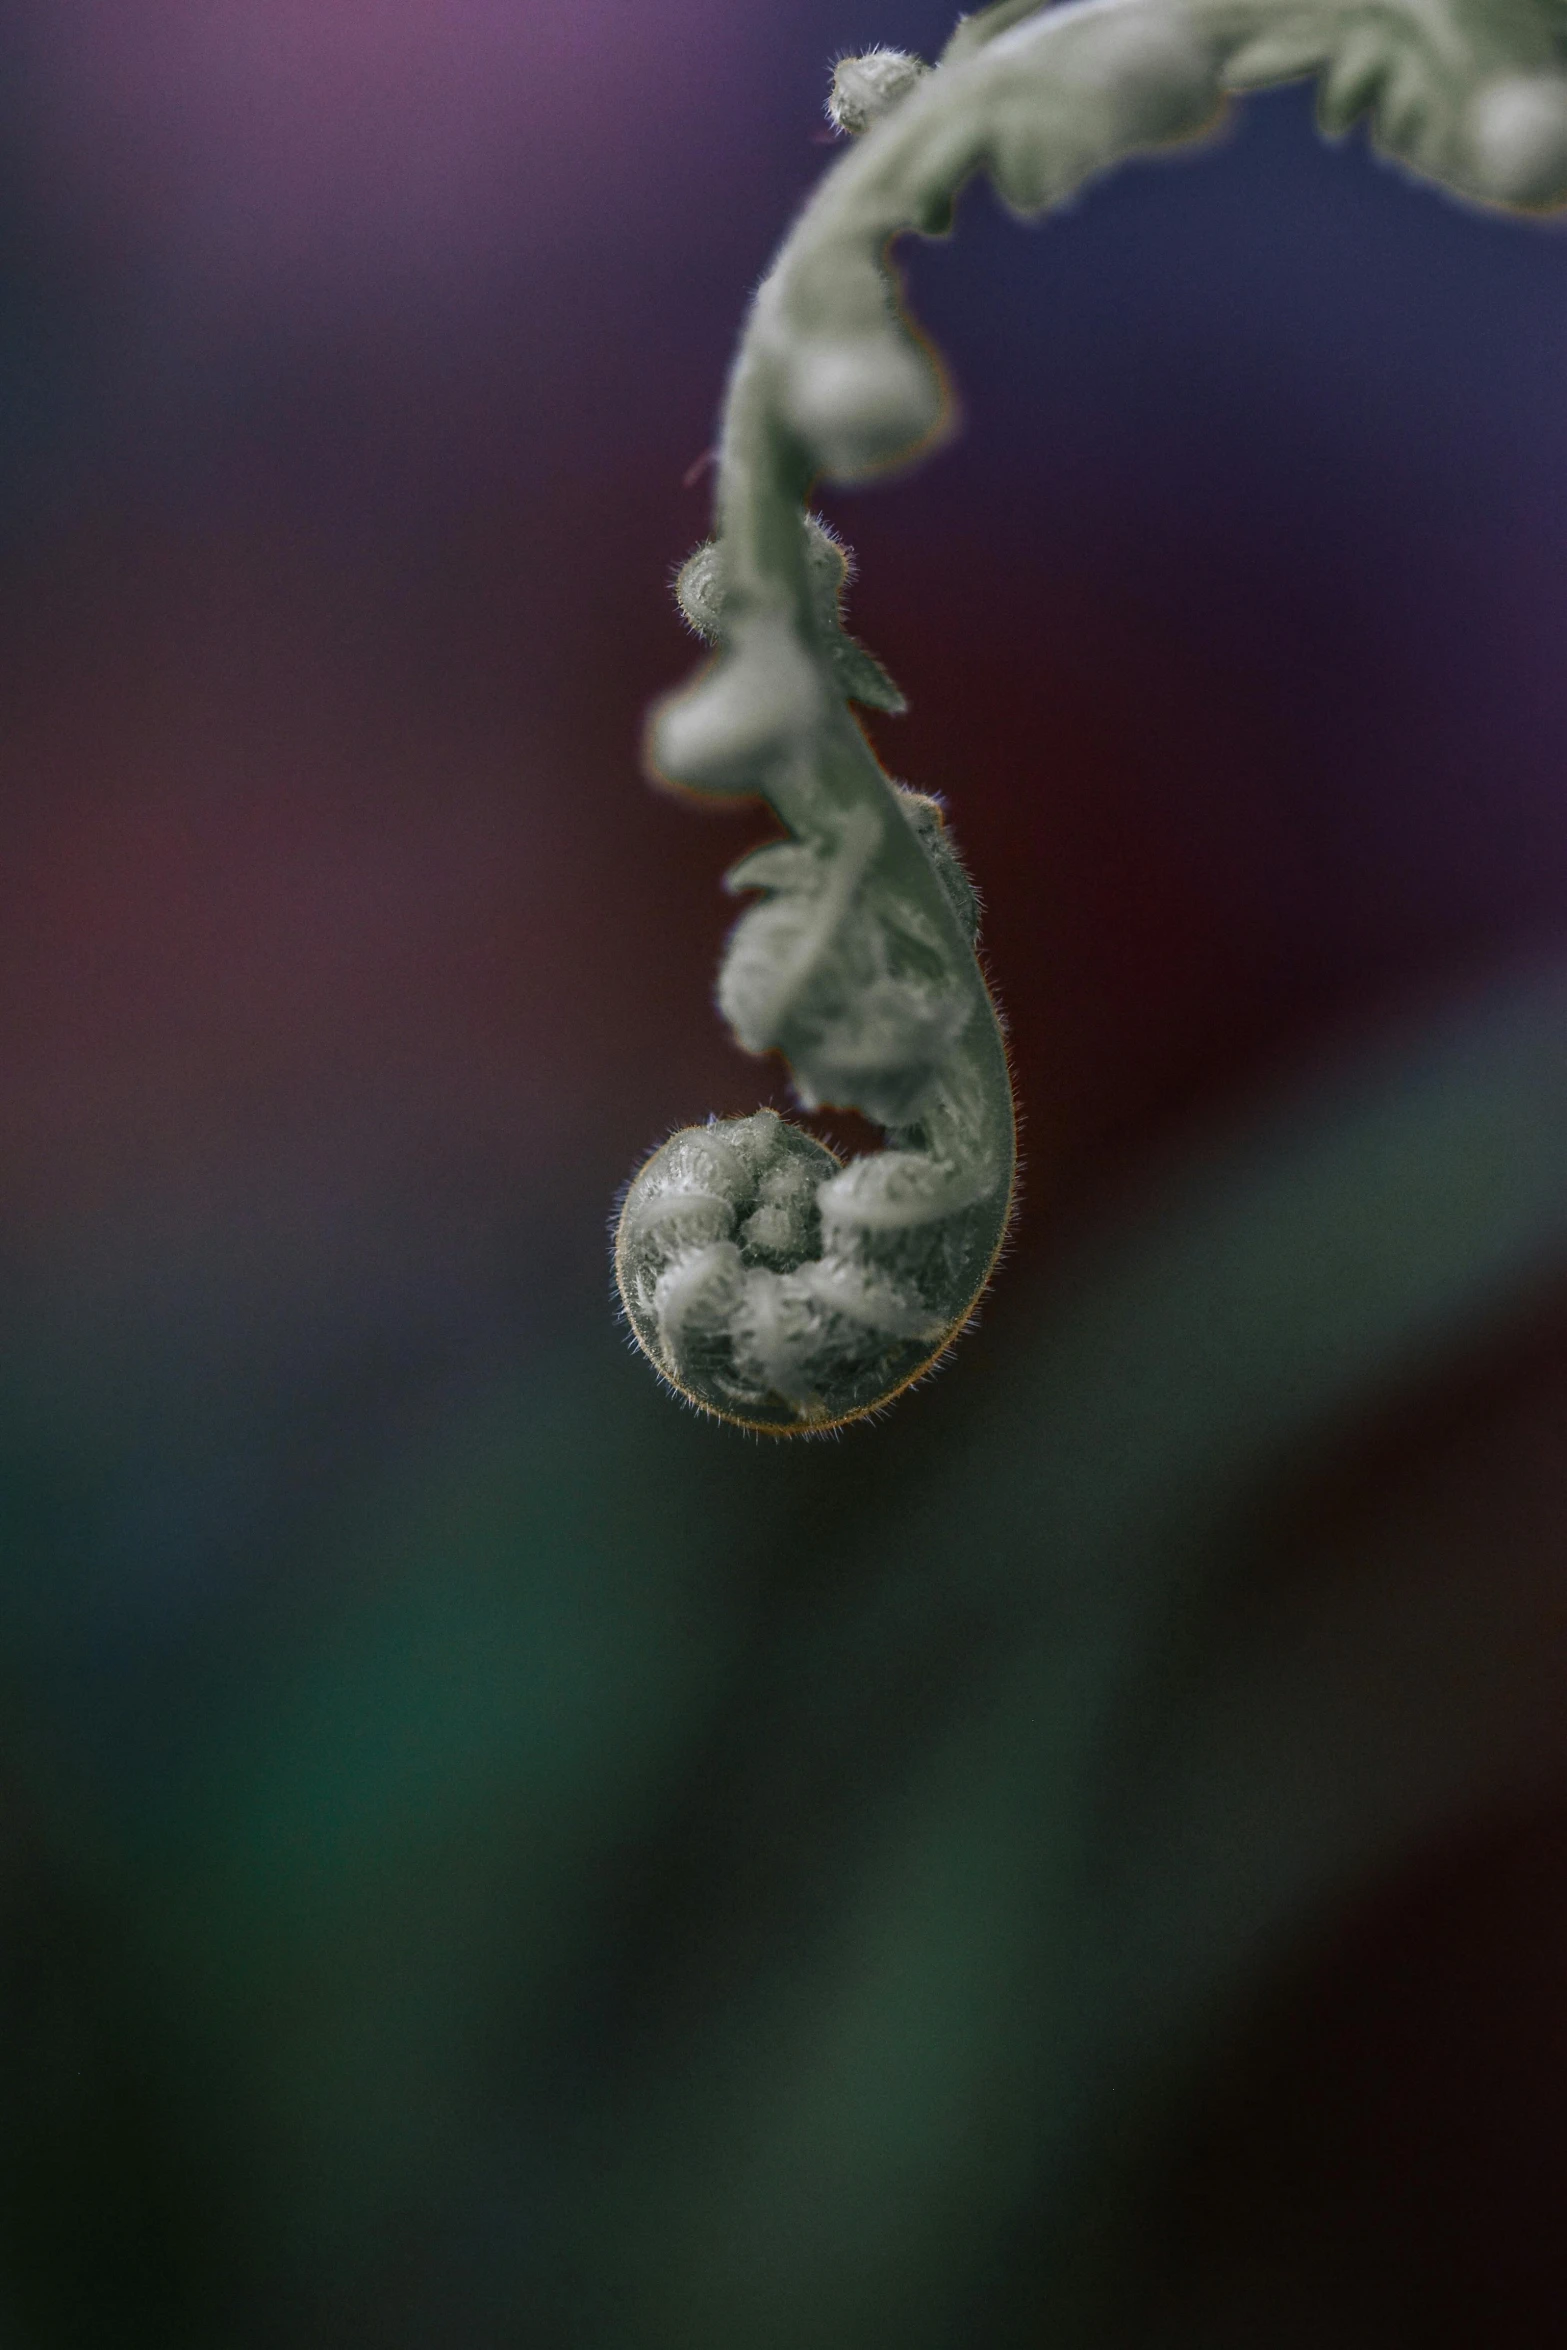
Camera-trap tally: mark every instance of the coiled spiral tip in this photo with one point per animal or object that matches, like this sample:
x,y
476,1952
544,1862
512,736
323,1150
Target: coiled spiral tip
x,y
762,1287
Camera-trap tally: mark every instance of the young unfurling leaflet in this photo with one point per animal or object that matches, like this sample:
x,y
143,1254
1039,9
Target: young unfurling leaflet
x,y
769,1283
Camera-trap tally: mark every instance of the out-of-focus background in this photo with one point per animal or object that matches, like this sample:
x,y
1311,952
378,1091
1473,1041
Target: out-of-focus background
x,y
485,1858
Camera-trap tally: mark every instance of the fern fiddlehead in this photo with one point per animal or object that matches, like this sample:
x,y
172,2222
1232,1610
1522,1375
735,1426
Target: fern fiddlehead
x,y
766,1281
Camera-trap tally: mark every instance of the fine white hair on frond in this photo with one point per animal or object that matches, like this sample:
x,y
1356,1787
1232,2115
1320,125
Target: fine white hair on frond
x,y
866,87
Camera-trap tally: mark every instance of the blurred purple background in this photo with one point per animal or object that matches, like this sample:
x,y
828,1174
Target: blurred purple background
x,y
352,361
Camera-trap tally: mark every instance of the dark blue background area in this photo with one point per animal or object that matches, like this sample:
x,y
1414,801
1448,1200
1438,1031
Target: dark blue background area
x,y
1267,448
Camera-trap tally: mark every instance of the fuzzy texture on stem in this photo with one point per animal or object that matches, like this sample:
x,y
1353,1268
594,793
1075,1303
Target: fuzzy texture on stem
x,y
768,1283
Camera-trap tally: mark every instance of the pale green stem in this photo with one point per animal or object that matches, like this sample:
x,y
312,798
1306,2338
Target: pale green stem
x,y
764,1282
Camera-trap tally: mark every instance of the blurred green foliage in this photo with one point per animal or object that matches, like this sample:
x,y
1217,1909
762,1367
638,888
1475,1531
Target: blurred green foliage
x,y
628,1884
